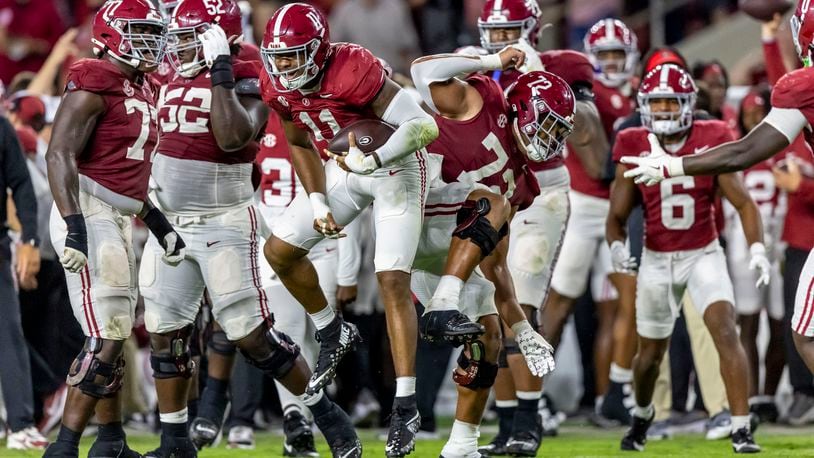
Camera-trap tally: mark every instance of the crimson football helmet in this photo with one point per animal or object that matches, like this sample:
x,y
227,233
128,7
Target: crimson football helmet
x,y
802,31
667,81
542,106
509,14
190,19
130,31
612,35
296,33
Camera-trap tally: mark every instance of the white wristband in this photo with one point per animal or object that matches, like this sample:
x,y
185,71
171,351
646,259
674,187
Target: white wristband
x,y
521,326
491,62
675,166
319,205
757,248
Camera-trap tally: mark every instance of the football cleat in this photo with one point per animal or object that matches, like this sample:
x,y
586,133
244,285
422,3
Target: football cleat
x,y
404,424
176,449
743,442
450,326
299,440
203,432
335,342
526,440
108,449
636,436
495,448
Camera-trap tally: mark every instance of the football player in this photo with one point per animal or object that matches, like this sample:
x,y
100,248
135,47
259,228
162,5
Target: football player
x,y
318,87
681,247
98,167
792,112
474,116
210,114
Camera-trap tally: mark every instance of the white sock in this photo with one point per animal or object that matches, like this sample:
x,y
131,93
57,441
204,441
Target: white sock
x,y
323,318
619,374
447,294
405,386
529,395
643,412
311,400
174,417
463,438
740,421
507,403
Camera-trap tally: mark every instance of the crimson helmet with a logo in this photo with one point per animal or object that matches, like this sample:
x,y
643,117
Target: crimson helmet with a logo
x,y
509,14
802,31
667,81
190,19
298,32
542,106
612,35
130,31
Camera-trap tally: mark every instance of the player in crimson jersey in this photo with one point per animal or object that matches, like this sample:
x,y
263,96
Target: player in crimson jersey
x,y
210,114
98,167
681,247
467,209
318,87
792,111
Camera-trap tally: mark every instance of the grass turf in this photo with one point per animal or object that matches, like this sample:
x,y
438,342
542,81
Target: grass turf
x,y
573,441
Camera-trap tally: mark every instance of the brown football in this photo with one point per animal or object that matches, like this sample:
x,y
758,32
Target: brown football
x,y
764,10
371,134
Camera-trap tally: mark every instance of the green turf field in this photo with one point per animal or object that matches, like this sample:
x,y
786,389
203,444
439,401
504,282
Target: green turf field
x,y
574,441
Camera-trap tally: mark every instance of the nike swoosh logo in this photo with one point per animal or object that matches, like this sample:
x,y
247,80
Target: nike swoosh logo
x,y
525,221
209,244
326,96
701,149
393,172
328,250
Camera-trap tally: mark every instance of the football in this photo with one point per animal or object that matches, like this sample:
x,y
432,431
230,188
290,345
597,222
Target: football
x,y
371,134
764,10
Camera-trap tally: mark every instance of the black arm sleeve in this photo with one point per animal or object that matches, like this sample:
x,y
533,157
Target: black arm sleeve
x,y
16,177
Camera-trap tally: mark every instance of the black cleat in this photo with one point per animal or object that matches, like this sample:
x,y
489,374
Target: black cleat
x,y
526,441
335,342
176,449
339,433
449,326
636,436
495,448
112,449
299,440
743,442
61,450
613,406
352,449
203,432
404,424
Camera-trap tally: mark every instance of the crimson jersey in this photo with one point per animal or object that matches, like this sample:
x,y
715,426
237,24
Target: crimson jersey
x,y
117,155
183,118
278,182
679,213
483,149
796,90
351,79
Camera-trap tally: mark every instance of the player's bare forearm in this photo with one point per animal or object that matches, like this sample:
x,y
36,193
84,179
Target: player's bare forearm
x,y
495,270
588,141
236,120
309,168
73,126
622,198
761,143
733,189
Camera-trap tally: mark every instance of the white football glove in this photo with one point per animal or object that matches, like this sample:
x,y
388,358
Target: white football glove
x,y
539,354
760,262
621,259
321,211
532,62
655,167
73,260
174,249
214,43
358,163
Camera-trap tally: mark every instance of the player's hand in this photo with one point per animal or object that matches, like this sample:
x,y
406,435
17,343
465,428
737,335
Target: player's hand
x,y
539,354
345,295
354,160
214,44
73,260
621,259
75,255
174,249
327,226
28,265
511,57
760,262
532,62
789,178
768,30
655,167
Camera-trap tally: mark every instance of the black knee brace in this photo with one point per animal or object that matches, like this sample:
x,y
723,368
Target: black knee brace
x,y
175,361
479,373
473,225
220,344
282,354
87,367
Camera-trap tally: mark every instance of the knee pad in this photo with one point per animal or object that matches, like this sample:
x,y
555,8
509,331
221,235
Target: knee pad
x,y
220,344
282,354
87,367
473,225
478,373
176,361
